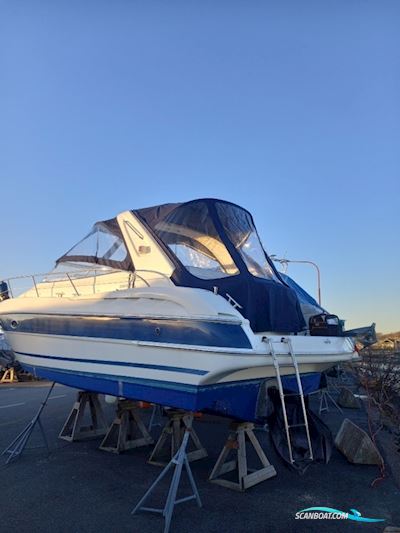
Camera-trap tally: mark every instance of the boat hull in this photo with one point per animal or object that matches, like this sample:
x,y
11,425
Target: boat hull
x,y
241,400
225,380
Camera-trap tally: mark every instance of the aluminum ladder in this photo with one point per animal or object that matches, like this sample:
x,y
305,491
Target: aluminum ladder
x,y
282,395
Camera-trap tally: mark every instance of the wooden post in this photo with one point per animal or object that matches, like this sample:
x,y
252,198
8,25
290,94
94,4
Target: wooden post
x,y
236,443
74,429
127,430
171,439
9,376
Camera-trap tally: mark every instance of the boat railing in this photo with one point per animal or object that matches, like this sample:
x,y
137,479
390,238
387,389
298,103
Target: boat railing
x,y
75,279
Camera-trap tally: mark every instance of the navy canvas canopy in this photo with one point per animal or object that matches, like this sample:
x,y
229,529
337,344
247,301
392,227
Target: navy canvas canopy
x,y
302,295
214,245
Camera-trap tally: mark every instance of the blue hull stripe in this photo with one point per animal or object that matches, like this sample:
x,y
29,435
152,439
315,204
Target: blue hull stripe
x,y
232,399
174,331
120,363
237,399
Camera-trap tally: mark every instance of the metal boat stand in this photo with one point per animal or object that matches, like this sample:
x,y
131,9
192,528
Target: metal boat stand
x,y
179,460
261,427
324,394
156,416
236,443
127,430
324,398
172,436
18,445
74,429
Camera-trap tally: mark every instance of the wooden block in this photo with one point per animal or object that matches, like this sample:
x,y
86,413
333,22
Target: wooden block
x,y
236,444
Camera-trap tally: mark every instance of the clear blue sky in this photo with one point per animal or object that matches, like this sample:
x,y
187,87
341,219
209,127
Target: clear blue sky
x,y
289,108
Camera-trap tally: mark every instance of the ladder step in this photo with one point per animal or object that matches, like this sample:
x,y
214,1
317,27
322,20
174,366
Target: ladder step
x,y
282,395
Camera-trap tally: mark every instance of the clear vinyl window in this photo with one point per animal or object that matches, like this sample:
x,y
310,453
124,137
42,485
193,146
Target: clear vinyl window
x,y
190,234
103,245
241,232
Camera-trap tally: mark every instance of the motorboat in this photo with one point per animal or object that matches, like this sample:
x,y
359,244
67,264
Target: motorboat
x,y
177,304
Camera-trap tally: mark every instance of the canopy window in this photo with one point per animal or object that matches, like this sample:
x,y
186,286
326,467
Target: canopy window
x,y
104,245
240,230
190,234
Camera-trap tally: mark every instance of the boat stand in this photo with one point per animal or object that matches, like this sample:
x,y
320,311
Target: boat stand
x,y
74,429
324,398
9,376
172,436
127,430
156,416
15,449
236,443
179,460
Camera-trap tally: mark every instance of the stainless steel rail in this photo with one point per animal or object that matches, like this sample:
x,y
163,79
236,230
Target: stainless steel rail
x,y
71,277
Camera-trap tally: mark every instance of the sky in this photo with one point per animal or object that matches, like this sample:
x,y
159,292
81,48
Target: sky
x,y
290,109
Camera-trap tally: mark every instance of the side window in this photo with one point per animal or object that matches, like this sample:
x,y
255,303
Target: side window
x,y
101,246
243,235
110,246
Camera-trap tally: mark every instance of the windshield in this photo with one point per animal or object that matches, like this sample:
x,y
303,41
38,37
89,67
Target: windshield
x,y
190,234
103,246
240,230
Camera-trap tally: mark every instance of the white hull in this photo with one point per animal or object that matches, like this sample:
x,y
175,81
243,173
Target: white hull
x,y
218,366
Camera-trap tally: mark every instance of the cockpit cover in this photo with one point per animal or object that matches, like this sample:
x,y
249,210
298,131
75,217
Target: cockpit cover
x,y
214,245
